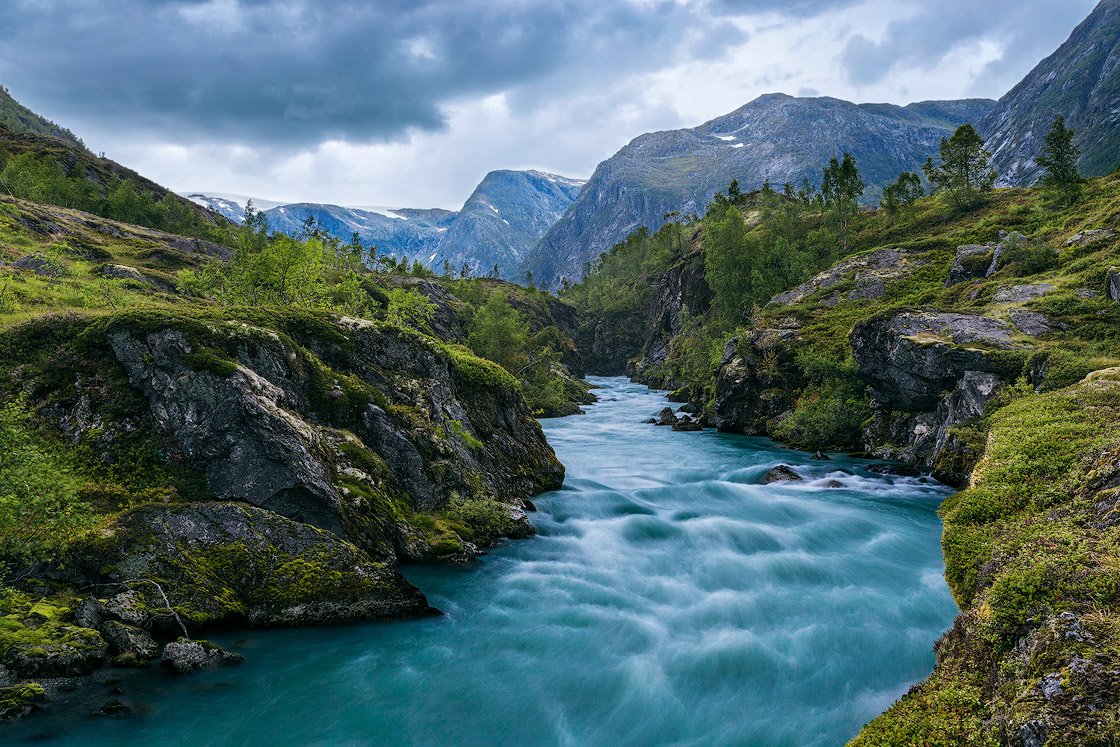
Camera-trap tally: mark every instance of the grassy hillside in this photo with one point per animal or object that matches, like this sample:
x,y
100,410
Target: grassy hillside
x,y
49,170
17,118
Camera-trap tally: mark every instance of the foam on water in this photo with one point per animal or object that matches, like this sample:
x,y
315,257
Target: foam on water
x,y
670,599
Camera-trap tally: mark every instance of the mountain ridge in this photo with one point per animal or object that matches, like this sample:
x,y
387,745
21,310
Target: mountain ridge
x,y
775,137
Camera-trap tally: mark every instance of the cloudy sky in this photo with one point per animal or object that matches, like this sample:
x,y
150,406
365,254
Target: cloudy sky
x,y
410,102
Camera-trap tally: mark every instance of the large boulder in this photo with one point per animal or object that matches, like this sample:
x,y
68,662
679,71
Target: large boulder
x,y
912,358
973,262
1022,293
866,274
225,563
185,656
1114,284
929,373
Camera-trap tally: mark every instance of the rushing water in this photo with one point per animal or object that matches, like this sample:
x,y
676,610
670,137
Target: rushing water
x,y
670,599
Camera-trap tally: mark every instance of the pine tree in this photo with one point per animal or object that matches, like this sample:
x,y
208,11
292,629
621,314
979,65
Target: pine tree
x,y
1062,181
964,173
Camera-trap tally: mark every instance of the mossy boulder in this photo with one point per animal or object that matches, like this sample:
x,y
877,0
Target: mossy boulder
x,y
222,564
17,701
185,656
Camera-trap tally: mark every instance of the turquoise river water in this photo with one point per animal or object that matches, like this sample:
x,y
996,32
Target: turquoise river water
x,y
669,599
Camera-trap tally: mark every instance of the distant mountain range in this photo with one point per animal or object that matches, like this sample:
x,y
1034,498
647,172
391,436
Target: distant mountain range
x,y
503,219
775,137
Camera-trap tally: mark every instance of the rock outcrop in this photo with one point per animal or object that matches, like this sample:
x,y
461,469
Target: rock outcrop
x,y
867,274
929,373
758,380
185,656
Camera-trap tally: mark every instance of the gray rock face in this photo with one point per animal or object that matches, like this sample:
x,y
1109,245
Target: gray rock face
x,y
926,375
912,358
972,262
1022,293
1078,81
683,291
40,265
757,381
1031,322
235,428
131,640
869,274
1114,284
185,656
1088,237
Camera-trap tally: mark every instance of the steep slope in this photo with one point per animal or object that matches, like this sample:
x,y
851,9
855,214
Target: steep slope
x,y
16,117
174,463
503,219
60,172
1080,81
400,233
775,137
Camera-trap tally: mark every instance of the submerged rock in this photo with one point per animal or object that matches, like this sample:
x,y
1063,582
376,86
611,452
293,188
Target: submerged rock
x,y
781,473
185,656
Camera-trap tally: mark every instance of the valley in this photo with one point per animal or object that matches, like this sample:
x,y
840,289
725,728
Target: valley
x,y
795,427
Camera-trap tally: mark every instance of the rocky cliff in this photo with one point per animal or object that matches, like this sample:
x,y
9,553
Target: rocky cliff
x,y
258,468
1079,81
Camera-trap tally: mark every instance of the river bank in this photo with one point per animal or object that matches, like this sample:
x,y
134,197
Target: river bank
x,y
670,597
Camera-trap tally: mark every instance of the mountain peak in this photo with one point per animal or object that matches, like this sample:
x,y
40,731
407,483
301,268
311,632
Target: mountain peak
x,y
1080,81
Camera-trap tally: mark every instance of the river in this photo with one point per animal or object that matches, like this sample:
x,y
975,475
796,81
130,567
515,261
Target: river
x,y
669,599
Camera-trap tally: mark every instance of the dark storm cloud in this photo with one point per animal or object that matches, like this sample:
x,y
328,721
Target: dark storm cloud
x,y
1028,30
295,73
302,71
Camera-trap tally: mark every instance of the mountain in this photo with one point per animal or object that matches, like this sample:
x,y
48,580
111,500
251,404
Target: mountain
x,y
17,118
1080,81
505,216
229,205
399,232
775,137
